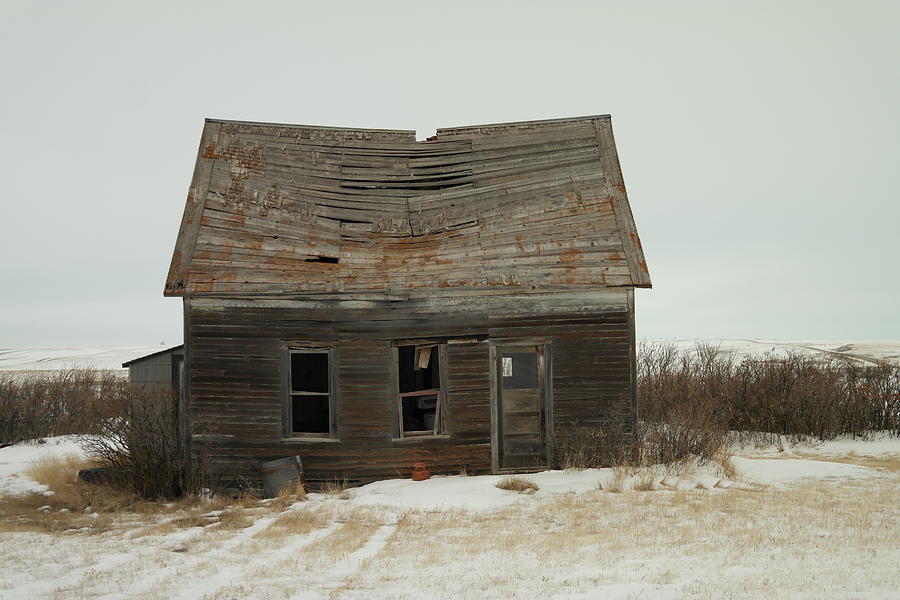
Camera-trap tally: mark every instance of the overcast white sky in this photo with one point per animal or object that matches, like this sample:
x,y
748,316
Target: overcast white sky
x,y
759,141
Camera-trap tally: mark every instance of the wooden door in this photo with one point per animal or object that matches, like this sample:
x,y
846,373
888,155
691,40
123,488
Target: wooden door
x,y
520,415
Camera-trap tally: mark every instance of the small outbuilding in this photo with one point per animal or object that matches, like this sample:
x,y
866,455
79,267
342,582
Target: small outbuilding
x,y
365,300
158,368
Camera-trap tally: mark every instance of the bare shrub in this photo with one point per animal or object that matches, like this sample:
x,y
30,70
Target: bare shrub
x,y
791,395
141,448
587,445
520,485
52,403
694,434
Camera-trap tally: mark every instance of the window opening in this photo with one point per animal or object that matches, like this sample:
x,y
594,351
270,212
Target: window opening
x,y
310,393
520,370
419,399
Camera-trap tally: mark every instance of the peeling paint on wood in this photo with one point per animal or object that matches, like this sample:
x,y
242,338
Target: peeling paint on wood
x,y
532,205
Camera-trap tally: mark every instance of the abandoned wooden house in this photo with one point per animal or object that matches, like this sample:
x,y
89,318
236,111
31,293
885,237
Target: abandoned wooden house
x,y
365,300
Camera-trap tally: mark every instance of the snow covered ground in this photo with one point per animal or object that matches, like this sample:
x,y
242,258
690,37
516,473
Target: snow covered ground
x,y
798,520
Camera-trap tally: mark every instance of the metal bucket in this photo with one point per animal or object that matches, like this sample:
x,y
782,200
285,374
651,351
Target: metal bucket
x,y
281,473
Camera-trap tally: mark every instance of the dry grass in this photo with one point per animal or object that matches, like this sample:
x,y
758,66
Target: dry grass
x,y
728,468
288,495
295,522
617,483
337,487
235,518
76,506
69,504
647,478
58,472
353,530
882,463
520,485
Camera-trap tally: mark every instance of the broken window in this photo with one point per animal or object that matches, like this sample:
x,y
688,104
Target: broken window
x,y
419,399
309,390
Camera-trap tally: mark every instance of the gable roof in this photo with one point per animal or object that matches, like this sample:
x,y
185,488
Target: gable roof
x,y
295,210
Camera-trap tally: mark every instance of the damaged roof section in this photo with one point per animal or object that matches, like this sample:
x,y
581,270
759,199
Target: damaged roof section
x,y
296,210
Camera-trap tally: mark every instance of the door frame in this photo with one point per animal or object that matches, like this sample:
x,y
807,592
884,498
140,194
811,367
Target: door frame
x,y
547,399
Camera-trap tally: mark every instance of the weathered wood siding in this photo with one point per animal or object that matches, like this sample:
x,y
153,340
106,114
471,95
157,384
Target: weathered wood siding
x,y
234,350
152,370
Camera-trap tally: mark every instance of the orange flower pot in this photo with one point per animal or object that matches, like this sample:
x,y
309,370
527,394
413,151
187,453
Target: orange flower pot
x,y
420,472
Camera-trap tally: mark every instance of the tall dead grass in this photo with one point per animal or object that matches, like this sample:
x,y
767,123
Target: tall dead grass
x,y
520,485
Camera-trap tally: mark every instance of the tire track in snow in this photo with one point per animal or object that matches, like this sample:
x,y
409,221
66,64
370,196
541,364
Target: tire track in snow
x,y
104,563
158,576
345,569
236,574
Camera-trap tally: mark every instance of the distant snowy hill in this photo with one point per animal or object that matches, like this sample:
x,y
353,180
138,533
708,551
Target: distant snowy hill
x,y
872,352
112,357
96,357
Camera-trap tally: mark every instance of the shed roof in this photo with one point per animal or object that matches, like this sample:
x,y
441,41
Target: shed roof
x,y
173,350
297,210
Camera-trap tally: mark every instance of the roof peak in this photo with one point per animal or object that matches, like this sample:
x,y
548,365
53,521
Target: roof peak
x,y
412,133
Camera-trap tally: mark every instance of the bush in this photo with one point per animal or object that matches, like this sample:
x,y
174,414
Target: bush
x,y
583,444
792,395
681,437
141,448
695,434
57,403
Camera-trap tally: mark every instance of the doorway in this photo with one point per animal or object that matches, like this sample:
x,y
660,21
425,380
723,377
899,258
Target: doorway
x,y
521,406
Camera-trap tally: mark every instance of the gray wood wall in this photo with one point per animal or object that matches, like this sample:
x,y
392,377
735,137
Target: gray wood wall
x,y
152,370
235,379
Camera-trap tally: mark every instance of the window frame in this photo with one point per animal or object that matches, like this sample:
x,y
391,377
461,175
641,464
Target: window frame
x,y
287,393
440,414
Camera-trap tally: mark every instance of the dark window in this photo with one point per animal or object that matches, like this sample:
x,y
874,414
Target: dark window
x,y
309,392
419,386
520,370
309,372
